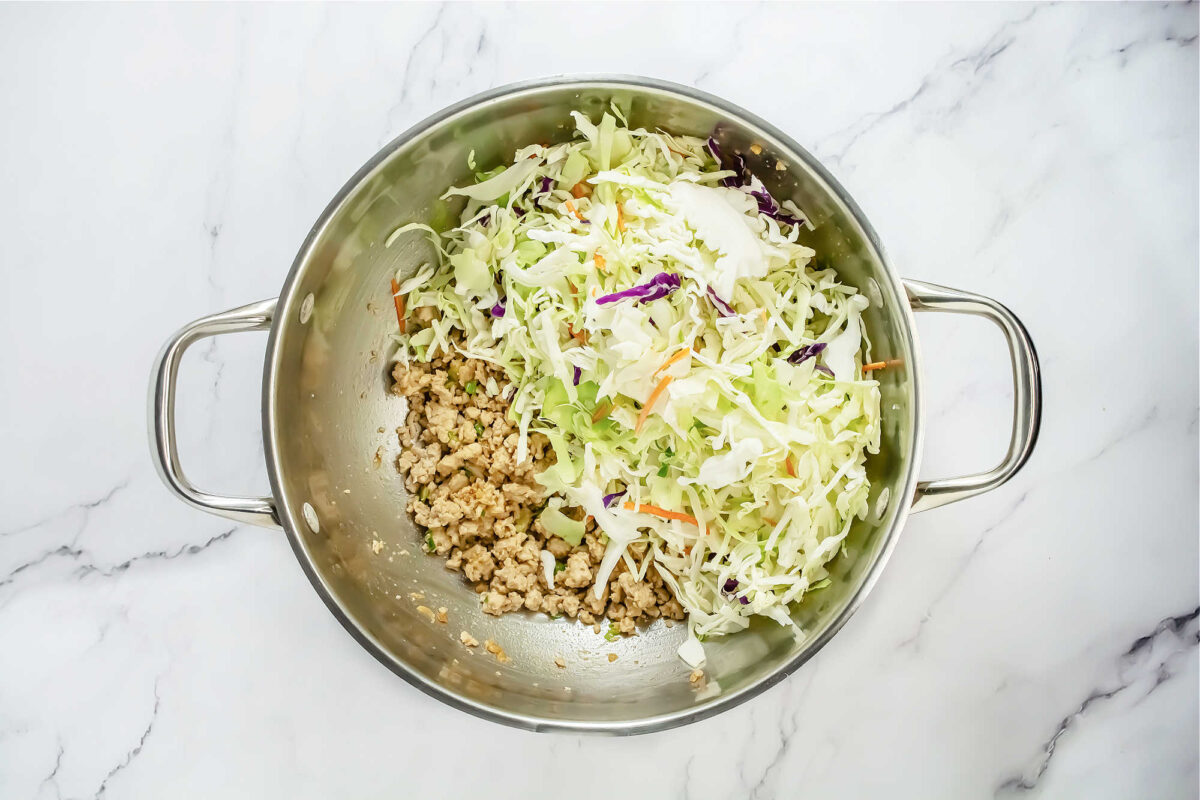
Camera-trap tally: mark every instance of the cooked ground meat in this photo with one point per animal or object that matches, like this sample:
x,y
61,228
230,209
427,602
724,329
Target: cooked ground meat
x,y
478,505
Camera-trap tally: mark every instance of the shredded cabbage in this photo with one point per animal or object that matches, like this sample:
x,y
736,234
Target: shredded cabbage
x,y
627,272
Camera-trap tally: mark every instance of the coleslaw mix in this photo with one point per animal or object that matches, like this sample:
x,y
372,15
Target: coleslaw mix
x,y
697,374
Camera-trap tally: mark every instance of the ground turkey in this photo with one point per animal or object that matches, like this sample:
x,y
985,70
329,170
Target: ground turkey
x,y
478,505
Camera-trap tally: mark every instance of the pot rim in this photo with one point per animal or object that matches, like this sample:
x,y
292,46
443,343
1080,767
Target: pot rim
x,y
287,304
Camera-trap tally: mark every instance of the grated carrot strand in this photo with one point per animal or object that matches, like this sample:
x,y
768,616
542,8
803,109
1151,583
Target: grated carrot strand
x,y
662,512
603,410
672,360
658,390
398,299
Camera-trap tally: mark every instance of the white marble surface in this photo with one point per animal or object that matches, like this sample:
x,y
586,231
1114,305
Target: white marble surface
x,y
162,162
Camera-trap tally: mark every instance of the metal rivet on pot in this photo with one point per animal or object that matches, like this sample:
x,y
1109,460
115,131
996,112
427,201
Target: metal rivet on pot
x,y
310,516
306,307
881,503
873,293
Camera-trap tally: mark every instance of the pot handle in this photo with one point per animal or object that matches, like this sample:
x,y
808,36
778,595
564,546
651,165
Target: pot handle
x,y
1027,392
253,510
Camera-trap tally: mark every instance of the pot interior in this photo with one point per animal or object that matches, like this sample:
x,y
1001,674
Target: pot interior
x,y
330,429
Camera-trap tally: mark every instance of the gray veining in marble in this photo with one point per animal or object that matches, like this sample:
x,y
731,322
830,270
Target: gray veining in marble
x,y
163,162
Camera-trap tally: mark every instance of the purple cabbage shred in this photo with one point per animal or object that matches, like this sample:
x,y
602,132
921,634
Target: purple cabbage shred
x,y
743,175
807,352
714,148
766,203
723,308
768,206
546,183
609,499
498,309
825,369
744,600
730,586
578,372
656,288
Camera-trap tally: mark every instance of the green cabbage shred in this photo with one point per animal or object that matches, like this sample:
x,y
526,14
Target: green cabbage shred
x,y
567,223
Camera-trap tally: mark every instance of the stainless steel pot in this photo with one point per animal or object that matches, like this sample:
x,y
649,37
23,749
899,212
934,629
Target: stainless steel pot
x,y
329,422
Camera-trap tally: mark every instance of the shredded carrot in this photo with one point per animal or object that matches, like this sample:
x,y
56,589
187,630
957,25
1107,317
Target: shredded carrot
x,y
573,210
571,286
620,219
581,189
658,390
672,360
874,365
399,301
602,411
579,336
600,262
677,152
662,512
791,468
771,522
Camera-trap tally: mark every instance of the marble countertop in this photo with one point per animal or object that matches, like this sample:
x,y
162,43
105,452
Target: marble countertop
x,y
163,162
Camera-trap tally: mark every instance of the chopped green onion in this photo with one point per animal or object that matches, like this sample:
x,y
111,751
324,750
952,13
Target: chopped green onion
x,y
429,545
614,633
478,429
472,387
